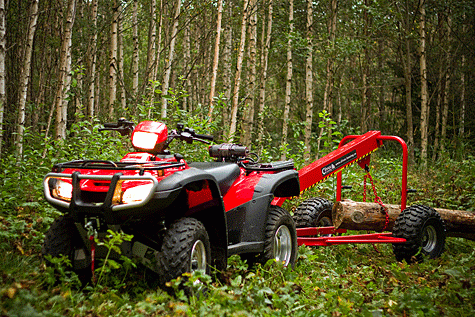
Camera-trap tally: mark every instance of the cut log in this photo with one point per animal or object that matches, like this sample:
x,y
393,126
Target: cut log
x,y
348,214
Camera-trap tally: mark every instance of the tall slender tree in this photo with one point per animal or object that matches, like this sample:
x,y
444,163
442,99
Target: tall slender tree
x,y
424,89
3,97
215,60
113,61
288,82
237,76
171,56
25,77
309,83
248,117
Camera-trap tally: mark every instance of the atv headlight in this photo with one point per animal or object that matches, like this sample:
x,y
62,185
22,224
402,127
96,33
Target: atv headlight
x,y
136,194
144,140
63,190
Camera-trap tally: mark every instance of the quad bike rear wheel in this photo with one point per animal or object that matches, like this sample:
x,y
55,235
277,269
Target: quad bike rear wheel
x,y
63,239
424,231
185,248
280,238
314,212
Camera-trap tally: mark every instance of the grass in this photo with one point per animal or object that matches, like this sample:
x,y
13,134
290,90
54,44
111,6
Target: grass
x,y
346,280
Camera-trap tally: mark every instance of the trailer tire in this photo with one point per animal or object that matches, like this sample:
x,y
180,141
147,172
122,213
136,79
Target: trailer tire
x,y
424,231
280,242
185,248
63,239
314,212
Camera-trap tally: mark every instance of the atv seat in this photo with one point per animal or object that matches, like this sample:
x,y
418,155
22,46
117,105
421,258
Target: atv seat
x,y
225,173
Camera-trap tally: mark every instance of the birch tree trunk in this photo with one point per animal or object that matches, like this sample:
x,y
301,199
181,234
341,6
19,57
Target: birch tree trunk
x,y
152,33
365,102
3,96
445,111
171,56
309,83
288,82
25,78
113,66
227,63
424,90
135,54
120,61
215,61
248,117
328,93
237,76
408,88
92,62
65,73
187,101
462,88
264,64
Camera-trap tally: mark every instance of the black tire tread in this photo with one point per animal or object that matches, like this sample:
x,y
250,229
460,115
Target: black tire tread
x,y
308,213
409,225
174,257
278,216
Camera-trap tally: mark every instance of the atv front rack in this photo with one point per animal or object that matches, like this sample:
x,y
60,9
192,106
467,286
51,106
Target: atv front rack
x,y
110,165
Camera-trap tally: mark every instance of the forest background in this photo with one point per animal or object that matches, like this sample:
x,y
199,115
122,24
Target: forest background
x,y
286,78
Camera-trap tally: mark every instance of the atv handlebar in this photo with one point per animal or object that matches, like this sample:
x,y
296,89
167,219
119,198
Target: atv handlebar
x,y
124,127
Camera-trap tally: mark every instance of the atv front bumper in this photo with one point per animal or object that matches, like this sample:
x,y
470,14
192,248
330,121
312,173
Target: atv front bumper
x,y
109,205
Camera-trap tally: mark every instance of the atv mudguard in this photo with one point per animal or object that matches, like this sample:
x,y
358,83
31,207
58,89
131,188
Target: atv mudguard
x,y
247,222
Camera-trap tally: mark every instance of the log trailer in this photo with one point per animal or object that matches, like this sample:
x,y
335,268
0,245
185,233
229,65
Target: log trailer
x,y
418,230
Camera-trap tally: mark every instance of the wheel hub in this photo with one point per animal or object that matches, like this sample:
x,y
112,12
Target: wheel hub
x,y
429,239
283,245
198,257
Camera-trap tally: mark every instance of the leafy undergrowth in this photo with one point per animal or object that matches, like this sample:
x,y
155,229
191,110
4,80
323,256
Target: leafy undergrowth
x,y
356,280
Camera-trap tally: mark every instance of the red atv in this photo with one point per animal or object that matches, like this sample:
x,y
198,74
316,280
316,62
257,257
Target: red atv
x,y
183,216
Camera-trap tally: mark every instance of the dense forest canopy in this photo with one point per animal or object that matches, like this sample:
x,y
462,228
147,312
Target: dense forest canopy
x,y
251,70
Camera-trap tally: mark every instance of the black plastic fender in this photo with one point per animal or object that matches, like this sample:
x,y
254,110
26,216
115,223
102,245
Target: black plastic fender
x,y
212,215
247,223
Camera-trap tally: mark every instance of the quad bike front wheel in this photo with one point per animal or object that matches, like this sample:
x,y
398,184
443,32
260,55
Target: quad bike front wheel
x,y
280,238
185,248
63,239
314,212
424,231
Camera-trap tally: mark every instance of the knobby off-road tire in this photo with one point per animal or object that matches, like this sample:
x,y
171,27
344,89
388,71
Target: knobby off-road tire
x,y
424,231
314,212
280,237
63,238
185,248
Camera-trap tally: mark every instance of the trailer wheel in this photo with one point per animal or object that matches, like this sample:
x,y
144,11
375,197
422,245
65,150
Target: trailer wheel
x,y
280,238
63,239
424,231
185,248
314,212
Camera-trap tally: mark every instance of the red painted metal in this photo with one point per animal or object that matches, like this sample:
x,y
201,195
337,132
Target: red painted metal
x,y
318,171
380,138
352,148
303,239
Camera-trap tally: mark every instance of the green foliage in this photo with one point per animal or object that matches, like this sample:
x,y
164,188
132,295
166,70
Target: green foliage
x,y
327,281
109,269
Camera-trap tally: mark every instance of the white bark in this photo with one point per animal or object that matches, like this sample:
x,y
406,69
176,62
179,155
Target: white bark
x,y
424,90
171,56
92,62
237,76
25,77
288,85
135,54
113,65
3,96
215,61
309,83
